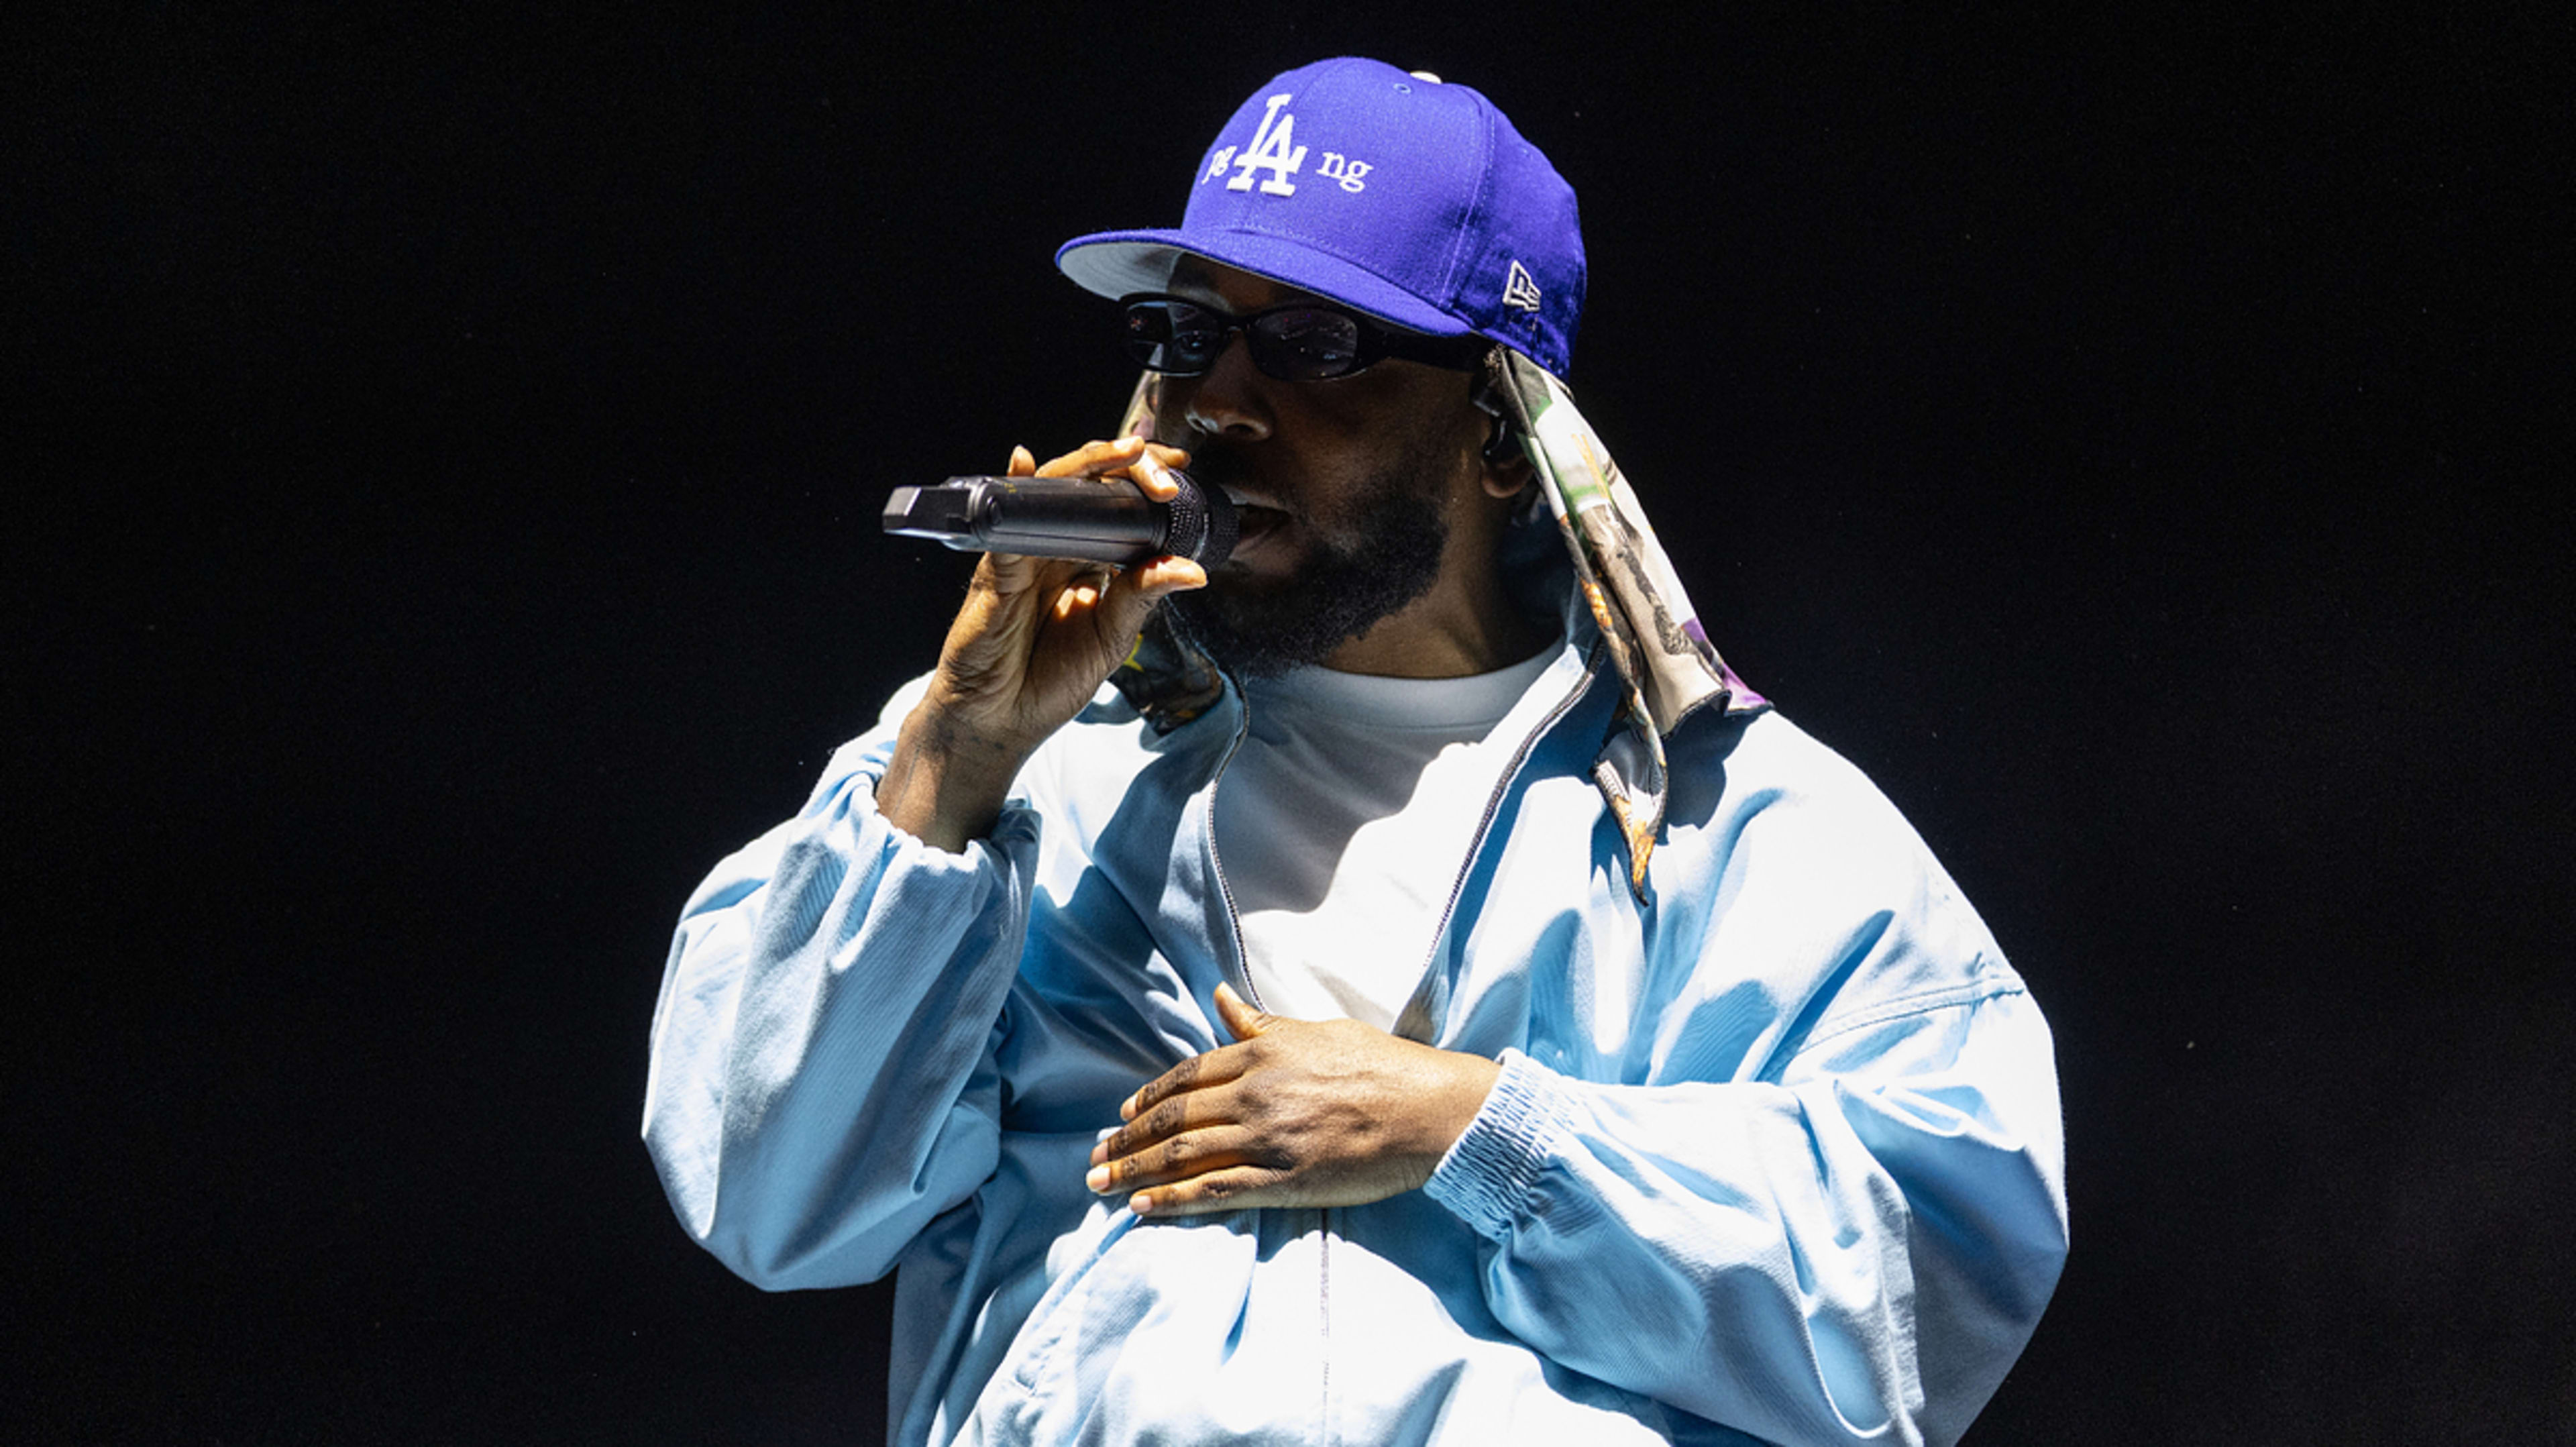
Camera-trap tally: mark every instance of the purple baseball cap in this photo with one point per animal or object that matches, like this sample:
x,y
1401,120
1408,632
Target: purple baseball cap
x,y
1396,195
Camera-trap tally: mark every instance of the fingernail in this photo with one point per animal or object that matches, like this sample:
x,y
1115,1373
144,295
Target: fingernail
x,y
1097,1179
1127,1108
1140,1203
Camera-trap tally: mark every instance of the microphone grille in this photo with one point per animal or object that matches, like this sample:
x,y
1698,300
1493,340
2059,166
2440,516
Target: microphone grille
x,y
1204,523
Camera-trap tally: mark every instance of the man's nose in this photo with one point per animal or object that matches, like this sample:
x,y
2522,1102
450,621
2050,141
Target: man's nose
x,y
1225,400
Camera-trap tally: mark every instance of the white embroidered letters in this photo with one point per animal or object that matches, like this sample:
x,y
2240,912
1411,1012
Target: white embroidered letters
x,y
1520,289
1274,149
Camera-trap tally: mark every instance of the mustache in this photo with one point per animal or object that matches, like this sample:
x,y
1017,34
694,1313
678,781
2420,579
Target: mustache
x,y
1218,466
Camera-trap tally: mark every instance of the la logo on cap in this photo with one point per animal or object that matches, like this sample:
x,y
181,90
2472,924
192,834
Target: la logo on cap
x,y
1274,149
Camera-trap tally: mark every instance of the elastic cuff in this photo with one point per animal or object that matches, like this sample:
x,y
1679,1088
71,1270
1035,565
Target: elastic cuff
x,y
1496,1162
1014,831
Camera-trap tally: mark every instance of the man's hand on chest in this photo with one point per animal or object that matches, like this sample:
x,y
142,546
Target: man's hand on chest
x,y
1296,1113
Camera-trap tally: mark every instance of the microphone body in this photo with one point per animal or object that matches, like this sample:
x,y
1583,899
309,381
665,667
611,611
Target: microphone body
x,y
1067,517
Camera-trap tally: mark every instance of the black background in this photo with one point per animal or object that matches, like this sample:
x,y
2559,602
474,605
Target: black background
x,y
445,459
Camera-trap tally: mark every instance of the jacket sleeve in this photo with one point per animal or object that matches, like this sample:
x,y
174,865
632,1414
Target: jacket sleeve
x,y
823,1081
1847,1238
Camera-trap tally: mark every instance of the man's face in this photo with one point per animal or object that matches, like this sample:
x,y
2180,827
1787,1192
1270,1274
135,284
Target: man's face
x,y
1348,487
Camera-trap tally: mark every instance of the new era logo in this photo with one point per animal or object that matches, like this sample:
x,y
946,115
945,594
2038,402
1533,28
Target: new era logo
x,y
1520,290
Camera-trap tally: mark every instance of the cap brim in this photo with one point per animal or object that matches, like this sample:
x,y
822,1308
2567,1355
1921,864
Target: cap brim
x,y
1122,263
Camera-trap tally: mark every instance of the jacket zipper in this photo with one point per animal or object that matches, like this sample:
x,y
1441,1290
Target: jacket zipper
x,y
1419,1003
1241,963
1324,1328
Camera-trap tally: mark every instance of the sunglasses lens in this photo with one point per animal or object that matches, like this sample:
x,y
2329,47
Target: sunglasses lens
x,y
1293,343
1304,344
1173,336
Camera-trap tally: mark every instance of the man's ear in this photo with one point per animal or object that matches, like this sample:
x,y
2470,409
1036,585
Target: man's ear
x,y
1507,465
1508,471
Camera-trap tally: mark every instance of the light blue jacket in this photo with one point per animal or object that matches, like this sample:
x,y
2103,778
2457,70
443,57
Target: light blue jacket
x,y
1774,1156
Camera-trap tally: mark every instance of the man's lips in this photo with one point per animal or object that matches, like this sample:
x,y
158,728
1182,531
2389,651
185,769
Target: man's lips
x,y
1256,521
1254,528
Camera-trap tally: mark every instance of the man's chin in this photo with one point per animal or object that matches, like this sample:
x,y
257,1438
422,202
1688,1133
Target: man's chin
x,y
1259,625
1248,628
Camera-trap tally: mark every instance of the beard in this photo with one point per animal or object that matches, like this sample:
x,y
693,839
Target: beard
x,y
1338,591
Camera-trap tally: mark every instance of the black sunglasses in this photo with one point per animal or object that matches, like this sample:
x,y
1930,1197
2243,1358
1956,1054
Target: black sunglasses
x,y
1304,341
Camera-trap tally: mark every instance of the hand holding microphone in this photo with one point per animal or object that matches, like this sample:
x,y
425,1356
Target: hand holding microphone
x,y
1044,622
1068,517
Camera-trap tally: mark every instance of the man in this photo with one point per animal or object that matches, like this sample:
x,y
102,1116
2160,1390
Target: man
x,y
1534,1039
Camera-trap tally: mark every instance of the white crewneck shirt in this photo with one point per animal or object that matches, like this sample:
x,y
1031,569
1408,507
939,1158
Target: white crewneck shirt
x,y
1343,821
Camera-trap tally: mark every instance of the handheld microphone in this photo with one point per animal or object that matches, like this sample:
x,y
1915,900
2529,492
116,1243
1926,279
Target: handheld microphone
x,y
1067,517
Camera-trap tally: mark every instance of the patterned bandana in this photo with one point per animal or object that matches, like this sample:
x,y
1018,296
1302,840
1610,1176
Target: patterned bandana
x,y
1667,668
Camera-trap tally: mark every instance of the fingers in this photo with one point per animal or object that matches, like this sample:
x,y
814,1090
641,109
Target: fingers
x,y
1128,598
1190,1153
1231,1189
1241,1019
1154,474
1076,599
1157,1124
1093,458
1217,1167
1165,576
1196,1073
1185,1149
1147,464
